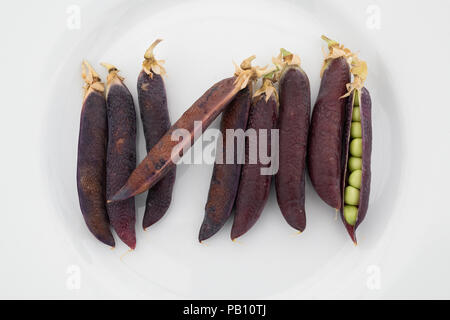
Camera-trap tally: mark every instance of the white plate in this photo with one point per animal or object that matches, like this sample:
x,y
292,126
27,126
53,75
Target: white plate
x,y
201,39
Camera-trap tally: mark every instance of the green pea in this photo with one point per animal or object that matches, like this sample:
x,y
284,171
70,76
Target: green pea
x,y
354,163
356,147
350,214
355,130
356,100
354,179
351,195
356,115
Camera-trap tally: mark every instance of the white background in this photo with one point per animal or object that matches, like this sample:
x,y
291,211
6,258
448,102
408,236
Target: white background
x,y
404,243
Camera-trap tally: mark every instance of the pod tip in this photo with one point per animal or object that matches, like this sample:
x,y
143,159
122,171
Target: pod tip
x,y
206,231
129,240
353,236
108,240
126,253
120,195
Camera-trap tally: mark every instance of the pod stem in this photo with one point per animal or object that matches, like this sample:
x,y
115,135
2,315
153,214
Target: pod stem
x,y
267,88
246,73
284,60
150,64
330,42
113,73
91,78
335,50
359,71
358,68
246,64
284,52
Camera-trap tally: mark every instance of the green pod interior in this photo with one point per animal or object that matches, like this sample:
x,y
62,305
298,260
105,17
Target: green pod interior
x,y
354,165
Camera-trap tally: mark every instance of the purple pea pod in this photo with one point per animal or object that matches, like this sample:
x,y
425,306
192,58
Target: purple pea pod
x,y
225,177
91,162
293,125
324,156
155,122
254,187
357,152
121,154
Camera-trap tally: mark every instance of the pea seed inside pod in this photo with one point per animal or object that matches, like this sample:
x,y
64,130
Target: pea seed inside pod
x,y
354,179
356,116
356,104
356,147
350,214
355,130
354,163
351,195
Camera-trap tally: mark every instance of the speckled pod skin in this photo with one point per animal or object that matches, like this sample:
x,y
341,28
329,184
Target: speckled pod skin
x,y
253,187
156,122
158,161
326,132
121,159
91,166
293,125
225,177
365,108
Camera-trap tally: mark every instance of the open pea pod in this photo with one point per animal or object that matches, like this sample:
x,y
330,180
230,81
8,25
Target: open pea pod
x,y
357,152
